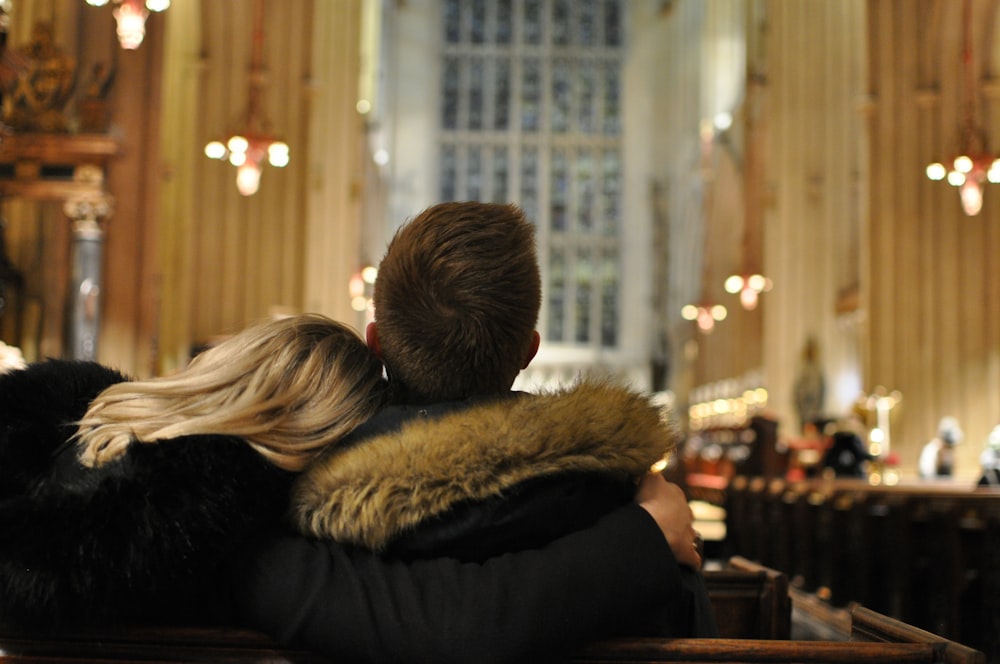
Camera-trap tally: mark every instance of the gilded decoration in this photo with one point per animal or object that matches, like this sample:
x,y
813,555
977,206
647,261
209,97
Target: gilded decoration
x,y
37,99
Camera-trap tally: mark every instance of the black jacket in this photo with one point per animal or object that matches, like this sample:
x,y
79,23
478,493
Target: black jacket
x,y
536,605
471,486
139,539
476,479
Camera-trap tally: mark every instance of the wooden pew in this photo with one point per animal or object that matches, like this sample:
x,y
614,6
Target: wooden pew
x,y
752,651
815,619
241,647
754,605
149,644
870,626
874,638
927,554
750,600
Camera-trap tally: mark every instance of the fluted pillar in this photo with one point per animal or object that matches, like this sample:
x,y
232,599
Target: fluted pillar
x,y
86,212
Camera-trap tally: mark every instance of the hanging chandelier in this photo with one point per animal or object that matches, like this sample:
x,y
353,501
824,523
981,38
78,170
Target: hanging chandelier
x,y
974,165
749,287
130,15
969,171
252,144
705,315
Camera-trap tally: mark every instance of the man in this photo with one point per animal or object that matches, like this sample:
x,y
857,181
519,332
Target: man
x,y
457,299
456,302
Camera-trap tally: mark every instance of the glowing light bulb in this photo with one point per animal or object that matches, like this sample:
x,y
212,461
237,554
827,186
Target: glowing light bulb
x,y
277,154
963,164
131,25
248,178
936,171
215,150
238,143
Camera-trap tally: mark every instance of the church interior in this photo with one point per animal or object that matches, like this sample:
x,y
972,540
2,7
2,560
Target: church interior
x,y
791,235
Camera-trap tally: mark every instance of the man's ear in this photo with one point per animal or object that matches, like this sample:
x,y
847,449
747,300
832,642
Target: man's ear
x,y
536,339
371,337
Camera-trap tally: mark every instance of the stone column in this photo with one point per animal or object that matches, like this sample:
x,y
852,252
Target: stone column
x,y
86,212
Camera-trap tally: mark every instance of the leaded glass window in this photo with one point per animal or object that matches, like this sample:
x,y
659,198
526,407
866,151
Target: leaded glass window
x,y
531,114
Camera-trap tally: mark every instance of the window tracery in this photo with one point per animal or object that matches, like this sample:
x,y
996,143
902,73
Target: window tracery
x,y
531,113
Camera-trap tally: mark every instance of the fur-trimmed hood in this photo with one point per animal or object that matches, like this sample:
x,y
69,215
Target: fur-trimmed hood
x,y
374,491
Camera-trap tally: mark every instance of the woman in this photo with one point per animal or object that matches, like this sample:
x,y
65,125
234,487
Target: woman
x,y
124,499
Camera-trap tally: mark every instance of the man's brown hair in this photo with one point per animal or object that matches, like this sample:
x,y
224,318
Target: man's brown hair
x,y
456,301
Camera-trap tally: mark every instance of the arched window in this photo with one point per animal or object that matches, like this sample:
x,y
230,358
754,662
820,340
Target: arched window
x,y
531,113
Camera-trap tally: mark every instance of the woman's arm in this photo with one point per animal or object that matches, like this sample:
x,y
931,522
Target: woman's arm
x,y
351,604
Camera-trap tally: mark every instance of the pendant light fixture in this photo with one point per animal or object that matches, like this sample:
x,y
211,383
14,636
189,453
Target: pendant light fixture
x,y
252,144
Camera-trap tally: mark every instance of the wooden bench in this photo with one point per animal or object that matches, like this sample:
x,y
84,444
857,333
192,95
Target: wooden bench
x,y
876,640
816,619
149,644
870,626
750,600
750,651
752,603
927,554
754,606
889,643
873,638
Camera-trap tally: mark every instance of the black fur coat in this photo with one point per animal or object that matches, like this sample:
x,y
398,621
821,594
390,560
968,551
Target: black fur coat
x,y
145,537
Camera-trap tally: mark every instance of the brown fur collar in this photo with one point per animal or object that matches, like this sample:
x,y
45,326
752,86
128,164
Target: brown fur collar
x,y
370,493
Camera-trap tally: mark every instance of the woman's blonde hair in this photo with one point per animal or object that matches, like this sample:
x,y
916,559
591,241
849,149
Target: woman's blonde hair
x,y
289,387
